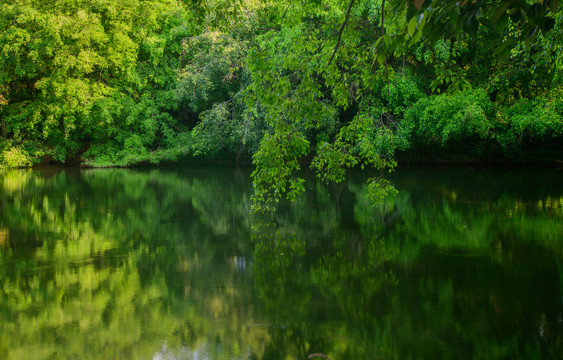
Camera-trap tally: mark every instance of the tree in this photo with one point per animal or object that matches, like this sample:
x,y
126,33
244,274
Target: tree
x,y
316,61
81,72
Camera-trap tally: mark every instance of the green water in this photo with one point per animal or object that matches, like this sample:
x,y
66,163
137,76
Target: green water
x,y
168,264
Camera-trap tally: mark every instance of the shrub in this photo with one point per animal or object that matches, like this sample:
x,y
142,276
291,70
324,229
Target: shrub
x,y
449,119
529,121
15,158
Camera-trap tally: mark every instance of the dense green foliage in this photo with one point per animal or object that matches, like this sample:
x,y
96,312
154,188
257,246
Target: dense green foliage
x,y
341,83
81,73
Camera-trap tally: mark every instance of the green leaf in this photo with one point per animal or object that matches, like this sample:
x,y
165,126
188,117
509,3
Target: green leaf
x,y
378,42
417,36
412,26
387,39
421,20
381,57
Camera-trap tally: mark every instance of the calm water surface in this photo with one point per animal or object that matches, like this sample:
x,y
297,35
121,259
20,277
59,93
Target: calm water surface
x,y
168,264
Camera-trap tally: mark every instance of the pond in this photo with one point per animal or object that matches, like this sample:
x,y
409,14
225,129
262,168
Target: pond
x,y
167,263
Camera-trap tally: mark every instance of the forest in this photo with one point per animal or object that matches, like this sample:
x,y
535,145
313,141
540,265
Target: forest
x,y
282,84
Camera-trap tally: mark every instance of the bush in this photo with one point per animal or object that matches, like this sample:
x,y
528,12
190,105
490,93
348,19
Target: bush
x,y
15,158
449,119
529,122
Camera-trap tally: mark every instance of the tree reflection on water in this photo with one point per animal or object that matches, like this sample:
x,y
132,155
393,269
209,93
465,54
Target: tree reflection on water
x,y
168,264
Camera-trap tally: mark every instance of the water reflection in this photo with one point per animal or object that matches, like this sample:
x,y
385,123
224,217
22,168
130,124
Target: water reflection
x,y
168,264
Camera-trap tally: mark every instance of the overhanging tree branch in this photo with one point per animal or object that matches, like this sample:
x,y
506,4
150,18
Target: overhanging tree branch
x,y
383,18
342,30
